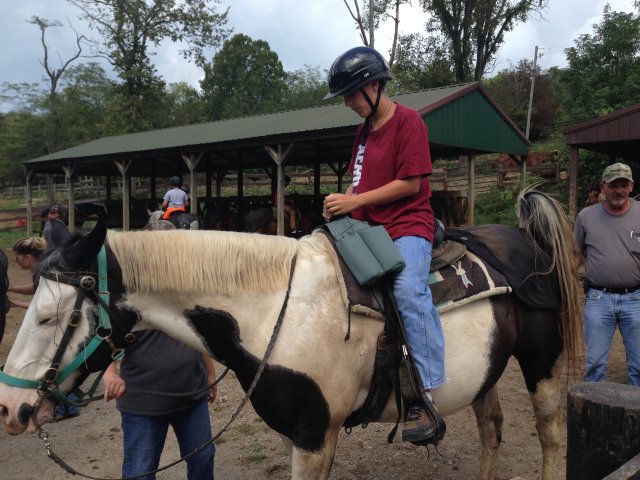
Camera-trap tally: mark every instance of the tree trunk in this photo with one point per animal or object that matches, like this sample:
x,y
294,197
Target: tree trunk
x,y
603,428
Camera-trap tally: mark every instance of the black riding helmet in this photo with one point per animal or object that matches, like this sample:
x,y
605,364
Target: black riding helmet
x,y
175,181
354,69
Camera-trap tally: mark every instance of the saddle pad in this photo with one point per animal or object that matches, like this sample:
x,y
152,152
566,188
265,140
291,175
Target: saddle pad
x,y
464,281
527,268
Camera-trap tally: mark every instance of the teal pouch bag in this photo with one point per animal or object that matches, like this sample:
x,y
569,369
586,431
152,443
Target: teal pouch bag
x,y
368,251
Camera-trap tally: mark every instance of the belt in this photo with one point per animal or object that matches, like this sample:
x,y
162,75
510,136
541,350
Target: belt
x,y
618,290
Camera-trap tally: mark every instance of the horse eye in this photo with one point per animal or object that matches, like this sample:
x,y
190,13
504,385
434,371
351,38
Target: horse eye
x,y
46,320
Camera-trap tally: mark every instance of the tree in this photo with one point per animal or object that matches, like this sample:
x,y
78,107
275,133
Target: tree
x,y
473,30
129,29
305,88
54,75
85,102
603,72
184,105
244,78
374,13
21,138
510,89
421,63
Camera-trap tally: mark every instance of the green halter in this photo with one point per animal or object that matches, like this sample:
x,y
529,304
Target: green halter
x,y
48,384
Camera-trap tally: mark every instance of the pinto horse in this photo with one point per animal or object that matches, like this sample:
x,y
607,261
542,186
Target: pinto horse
x,y
223,293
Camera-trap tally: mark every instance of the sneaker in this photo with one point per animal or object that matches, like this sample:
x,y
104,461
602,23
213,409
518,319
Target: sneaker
x,y
62,412
418,425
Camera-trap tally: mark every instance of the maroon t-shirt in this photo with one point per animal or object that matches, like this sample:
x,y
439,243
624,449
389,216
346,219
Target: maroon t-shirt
x,y
397,150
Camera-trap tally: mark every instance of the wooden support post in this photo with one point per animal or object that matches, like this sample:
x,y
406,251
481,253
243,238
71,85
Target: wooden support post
x,y
471,187
573,181
278,157
123,168
69,171
603,428
192,162
29,194
50,194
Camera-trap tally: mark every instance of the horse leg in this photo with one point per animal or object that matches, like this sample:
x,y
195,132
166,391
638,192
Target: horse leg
x,y
541,358
314,465
489,419
546,407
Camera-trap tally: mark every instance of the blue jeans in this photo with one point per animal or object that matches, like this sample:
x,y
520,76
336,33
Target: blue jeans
x,y
602,312
144,437
419,316
67,411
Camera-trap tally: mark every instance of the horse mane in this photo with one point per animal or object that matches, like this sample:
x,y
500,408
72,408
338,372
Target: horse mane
x,y
545,222
202,261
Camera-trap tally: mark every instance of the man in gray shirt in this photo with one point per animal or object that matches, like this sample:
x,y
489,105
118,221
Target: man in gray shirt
x,y
608,235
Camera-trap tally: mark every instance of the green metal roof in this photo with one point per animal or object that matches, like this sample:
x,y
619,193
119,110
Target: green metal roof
x,y
460,118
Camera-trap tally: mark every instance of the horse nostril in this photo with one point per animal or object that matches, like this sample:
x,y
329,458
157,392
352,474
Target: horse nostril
x,y
4,412
24,413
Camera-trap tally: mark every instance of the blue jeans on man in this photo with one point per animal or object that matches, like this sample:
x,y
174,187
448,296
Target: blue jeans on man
x,y
603,311
145,435
419,316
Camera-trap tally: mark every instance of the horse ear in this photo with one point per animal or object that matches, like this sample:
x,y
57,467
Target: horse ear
x,y
80,252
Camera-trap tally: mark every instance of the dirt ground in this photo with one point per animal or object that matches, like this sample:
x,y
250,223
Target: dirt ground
x,y
92,442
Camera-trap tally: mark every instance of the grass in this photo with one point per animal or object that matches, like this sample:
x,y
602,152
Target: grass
x,y
256,453
247,430
9,237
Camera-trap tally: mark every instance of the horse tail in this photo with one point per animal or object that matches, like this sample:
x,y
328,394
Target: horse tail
x,y
545,222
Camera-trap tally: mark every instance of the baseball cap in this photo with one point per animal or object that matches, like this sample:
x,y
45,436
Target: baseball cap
x,y
615,171
54,209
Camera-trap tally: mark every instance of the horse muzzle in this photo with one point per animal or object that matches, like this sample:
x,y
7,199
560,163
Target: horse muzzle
x,y
18,418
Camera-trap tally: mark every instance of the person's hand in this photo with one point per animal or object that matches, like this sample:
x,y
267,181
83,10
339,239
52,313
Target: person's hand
x,y
337,204
213,390
17,303
114,385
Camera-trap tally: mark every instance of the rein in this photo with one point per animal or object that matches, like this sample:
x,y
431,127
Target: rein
x,y
47,387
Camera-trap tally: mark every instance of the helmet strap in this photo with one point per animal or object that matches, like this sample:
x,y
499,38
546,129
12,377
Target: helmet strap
x,y
374,109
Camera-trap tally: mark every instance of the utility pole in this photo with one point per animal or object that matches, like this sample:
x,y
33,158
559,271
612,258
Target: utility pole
x,y
371,10
533,82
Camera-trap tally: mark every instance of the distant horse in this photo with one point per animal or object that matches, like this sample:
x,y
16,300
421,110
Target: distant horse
x,y
595,196
179,220
221,218
236,288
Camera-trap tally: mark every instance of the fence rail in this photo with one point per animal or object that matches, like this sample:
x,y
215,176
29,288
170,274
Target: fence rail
x,y
487,178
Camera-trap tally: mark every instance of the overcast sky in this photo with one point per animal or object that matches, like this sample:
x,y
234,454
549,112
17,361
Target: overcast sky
x,y
301,32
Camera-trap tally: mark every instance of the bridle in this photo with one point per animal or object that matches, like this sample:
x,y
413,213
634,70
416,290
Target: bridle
x,y
88,285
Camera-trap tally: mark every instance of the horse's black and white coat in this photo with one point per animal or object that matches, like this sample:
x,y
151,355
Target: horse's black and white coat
x,y
221,293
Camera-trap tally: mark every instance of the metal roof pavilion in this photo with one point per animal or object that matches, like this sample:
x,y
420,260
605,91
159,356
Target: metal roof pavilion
x,y
462,120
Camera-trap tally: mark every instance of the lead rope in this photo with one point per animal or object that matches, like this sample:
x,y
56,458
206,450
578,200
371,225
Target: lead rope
x,y
44,436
